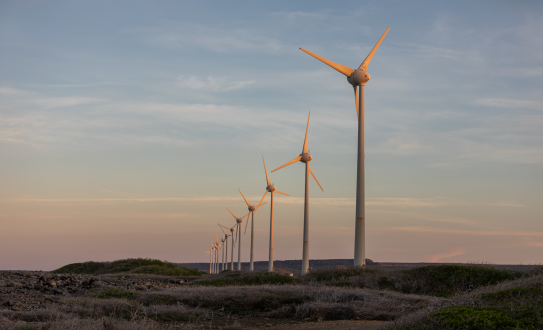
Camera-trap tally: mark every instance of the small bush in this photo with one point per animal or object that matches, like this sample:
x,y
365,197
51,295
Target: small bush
x,y
446,280
250,279
530,294
330,274
477,318
116,293
138,265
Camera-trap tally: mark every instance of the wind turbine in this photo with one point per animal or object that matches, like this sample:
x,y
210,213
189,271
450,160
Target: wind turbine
x,y
305,157
271,189
238,223
357,78
252,209
218,245
210,251
226,238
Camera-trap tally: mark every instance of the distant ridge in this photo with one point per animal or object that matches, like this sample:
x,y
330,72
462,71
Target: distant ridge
x,y
295,265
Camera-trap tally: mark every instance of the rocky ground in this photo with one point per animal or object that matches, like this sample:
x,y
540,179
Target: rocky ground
x,y
27,291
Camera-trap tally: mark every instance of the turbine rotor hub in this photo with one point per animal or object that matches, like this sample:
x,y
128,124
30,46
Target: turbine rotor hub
x,y
270,188
252,208
239,220
358,77
306,157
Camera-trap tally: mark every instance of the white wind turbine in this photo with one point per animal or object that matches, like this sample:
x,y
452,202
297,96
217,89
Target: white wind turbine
x,y
252,210
225,254
305,157
224,242
271,189
218,245
210,252
232,247
357,78
238,224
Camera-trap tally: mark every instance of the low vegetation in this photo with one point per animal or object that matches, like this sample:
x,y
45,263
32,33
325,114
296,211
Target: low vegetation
x,y
439,281
430,297
116,293
137,266
229,278
516,304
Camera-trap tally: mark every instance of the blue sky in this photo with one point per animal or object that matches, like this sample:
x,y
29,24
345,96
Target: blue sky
x,y
127,127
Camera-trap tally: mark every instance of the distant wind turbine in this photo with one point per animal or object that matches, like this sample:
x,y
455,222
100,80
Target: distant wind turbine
x,y
252,210
271,189
232,246
305,157
238,223
357,78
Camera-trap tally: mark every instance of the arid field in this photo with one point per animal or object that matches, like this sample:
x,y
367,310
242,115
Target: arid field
x,y
150,294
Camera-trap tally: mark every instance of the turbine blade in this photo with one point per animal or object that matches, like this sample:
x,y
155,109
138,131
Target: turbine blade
x,y
314,177
265,170
297,159
249,205
232,214
282,193
256,208
263,197
221,229
304,150
356,99
341,68
366,62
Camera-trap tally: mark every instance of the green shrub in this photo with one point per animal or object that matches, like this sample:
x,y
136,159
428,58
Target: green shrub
x,y
481,318
446,280
116,293
250,279
335,273
140,265
532,294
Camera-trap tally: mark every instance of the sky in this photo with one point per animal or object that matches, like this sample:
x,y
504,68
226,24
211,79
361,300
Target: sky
x,y
127,127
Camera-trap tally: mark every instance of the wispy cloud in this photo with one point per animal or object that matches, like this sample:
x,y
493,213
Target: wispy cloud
x,y
439,256
509,103
212,83
177,35
58,102
391,202
496,233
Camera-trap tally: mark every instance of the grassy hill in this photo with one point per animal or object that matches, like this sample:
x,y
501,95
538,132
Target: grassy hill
x,y
137,266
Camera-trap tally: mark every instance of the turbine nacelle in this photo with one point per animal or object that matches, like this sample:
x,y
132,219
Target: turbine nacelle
x,y
252,208
239,220
270,188
306,157
232,230
358,77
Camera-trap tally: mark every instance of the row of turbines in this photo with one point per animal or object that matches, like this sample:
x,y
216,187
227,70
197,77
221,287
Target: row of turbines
x,y
357,78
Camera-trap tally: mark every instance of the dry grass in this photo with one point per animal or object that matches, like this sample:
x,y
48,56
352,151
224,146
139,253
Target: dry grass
x,y
295,301
441,280
69,322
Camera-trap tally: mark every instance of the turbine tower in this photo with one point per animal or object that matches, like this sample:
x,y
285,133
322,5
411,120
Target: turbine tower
x,y
252,210
271,189
224,246
305,157
218,245
357,78
226,235
238,223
